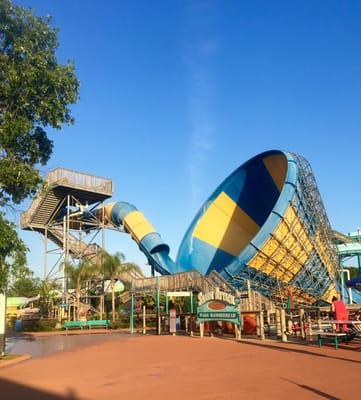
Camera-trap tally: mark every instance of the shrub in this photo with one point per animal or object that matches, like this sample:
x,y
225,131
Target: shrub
x,y
120,323
41,325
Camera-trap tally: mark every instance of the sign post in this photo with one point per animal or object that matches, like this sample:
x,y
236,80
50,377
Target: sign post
x,y
172,321
131,319
158,306
191,316
144,322
2,322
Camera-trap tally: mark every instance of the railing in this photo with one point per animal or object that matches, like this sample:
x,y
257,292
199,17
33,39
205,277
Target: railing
x,y
125,297
180,281
255,301
70,177
25,216
193,280
76,246
219,281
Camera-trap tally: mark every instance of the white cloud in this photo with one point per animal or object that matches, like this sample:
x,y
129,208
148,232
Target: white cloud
x,y
198,59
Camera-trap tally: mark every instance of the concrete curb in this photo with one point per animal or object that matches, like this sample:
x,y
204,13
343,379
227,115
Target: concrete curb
x,y
16,360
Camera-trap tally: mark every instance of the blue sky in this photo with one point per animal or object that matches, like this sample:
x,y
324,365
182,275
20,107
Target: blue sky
x,y
176,94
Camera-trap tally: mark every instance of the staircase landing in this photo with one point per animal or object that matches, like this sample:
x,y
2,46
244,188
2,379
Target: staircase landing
x,y
60,183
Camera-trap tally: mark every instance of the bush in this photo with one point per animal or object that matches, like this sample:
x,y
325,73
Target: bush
x,y
41,325
120,323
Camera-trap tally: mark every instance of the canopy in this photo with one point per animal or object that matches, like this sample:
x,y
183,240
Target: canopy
x,y
16,301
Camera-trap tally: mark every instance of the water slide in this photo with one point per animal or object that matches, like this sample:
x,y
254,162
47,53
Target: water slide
x,y
265,223
351,249
143,233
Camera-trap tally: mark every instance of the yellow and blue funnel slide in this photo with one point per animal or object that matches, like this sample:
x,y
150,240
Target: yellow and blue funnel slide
x,y
261,224
264,224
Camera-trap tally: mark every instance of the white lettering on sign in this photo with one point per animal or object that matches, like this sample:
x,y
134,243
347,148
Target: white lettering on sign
x,y
178,294
216,295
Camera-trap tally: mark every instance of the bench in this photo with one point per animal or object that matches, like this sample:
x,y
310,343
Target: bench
x,y
331,336
98,323
74,325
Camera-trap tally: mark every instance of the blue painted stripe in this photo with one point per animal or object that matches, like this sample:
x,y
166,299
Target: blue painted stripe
x,y
120,210
203,257
220,260
261,194
154,243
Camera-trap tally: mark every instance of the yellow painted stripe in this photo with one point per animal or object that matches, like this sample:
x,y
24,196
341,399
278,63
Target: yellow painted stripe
x,y
284,254
277,168
108,210
330,293
138,226
226,226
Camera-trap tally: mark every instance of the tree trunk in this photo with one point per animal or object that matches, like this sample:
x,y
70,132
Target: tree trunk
x,y
113,299
78,301
78,305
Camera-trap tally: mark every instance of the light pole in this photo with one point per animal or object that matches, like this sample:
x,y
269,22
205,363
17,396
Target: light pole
x,y
2,321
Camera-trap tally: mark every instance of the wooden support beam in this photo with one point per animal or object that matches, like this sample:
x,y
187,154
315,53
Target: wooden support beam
x,y
261,325
201,329
302,323
144,322
283,325
278,323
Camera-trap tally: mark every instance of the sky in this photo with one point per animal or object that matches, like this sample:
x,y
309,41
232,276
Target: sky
x,y
177,94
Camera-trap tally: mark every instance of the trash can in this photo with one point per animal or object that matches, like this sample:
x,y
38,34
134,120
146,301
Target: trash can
x,y
18,325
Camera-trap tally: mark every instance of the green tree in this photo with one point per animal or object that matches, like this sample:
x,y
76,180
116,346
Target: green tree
x,y
77,275
48,295
12,251
25,283
113,267
354,272
35,94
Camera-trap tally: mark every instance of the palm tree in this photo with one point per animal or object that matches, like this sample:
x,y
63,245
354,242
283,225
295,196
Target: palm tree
x,y
47,293
113,267
77,274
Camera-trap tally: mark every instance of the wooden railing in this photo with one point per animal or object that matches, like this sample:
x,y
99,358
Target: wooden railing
x,y
79,179
67,177
26,216
181,281
255,301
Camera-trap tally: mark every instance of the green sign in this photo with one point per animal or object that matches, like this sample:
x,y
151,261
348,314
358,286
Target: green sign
x,y
218,311
215,316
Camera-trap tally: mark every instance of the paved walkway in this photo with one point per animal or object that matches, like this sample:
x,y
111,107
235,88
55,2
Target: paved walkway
x,y
45,343
175,368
